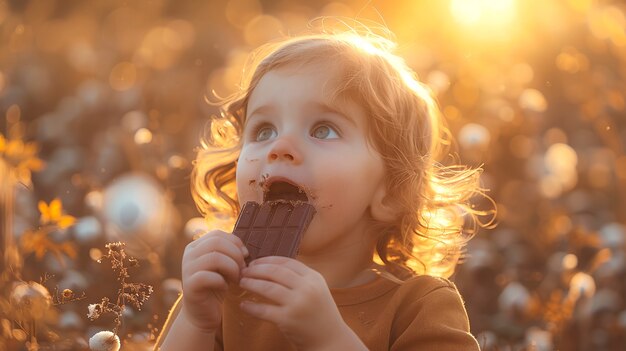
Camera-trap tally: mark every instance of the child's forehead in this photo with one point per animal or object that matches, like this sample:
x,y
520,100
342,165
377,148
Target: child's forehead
x,y
331,77
326,82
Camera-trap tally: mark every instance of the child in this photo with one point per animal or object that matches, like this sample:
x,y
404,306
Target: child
x,y
341,118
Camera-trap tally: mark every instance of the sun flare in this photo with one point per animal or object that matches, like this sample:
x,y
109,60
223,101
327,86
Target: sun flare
x,y
474,12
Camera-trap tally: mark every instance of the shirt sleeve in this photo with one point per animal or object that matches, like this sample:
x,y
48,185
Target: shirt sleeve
x,y
437,321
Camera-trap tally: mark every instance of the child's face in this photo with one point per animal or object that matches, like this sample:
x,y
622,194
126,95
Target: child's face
x,y
296,133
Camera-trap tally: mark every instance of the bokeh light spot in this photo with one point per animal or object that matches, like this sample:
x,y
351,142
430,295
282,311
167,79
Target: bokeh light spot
x,y
561,156
438,81
560,161
177,161
570,261
570,60
134,120
123,76
13,114
533,100
143,136
550,187
451,113
95,254
582,284
474,135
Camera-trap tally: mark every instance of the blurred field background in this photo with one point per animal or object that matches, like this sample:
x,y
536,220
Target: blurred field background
x,y
103,102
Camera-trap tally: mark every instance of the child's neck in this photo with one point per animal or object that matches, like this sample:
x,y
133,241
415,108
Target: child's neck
x,y
341,270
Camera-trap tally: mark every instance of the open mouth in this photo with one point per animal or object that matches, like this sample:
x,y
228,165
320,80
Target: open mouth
x,y
281,190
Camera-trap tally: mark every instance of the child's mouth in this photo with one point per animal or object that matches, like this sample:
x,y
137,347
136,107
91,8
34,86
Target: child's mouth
x,y
285,191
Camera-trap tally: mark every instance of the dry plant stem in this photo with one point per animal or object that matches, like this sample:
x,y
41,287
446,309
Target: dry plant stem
x,y
128,292
63,300
117,263
7,183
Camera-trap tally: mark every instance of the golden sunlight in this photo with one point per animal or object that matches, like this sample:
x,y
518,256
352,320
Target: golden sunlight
x,y
486,14
121,130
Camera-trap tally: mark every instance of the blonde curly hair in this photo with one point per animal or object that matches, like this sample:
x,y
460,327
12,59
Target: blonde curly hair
x,y
435,219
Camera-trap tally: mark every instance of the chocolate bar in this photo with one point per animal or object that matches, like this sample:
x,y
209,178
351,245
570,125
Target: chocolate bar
x,y
273,228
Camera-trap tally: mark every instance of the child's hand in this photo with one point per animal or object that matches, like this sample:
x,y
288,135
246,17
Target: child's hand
x,y
210,263
302,306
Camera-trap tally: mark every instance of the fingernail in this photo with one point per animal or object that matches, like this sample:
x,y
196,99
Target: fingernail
x,y
245,252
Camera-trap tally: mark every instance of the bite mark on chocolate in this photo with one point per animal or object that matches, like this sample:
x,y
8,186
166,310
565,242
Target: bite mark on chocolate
x,y
303,193
282,190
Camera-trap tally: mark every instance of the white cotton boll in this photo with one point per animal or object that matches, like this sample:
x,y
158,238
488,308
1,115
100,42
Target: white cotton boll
x,y
136,211
31,298
104,341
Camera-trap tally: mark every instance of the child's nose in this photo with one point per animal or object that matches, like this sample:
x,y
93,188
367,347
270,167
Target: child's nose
x,y
284,149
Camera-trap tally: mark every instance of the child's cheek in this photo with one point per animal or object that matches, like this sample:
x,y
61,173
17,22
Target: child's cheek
x,y
247,180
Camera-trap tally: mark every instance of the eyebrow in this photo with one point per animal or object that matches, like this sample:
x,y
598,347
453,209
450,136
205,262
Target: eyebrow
x,y
316,106
324,107
263,109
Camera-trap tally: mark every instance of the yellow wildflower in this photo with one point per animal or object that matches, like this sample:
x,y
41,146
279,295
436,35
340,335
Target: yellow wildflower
x,y
39,242
20,156
53,214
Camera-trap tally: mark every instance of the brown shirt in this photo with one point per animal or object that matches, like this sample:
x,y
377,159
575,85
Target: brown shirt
x,y
421,313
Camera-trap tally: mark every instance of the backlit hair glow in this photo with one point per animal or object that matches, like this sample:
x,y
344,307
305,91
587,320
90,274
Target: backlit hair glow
x,y
435,217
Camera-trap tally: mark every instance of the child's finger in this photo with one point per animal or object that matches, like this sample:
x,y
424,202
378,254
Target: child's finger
x,y
267,312
269,290
279,274
207,236
293,264
237,241
211,235
202,280
216,244
215,262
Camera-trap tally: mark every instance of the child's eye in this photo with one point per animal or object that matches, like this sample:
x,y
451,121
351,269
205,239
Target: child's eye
x,y
324,132
265,133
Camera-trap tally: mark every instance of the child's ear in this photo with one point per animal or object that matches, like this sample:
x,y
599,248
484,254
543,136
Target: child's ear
x,y
381,208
